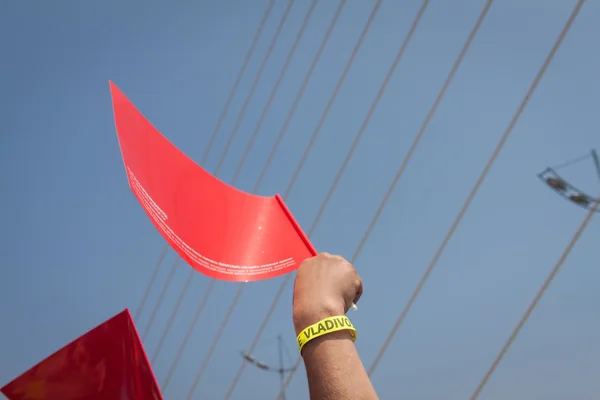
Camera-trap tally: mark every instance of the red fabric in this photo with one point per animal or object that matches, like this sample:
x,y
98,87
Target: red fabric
x,y
220,231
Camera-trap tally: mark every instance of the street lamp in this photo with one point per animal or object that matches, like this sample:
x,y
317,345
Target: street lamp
x,y
565,189
281,370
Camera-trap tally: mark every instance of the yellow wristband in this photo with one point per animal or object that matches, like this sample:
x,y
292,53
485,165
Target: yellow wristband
x,y
325,326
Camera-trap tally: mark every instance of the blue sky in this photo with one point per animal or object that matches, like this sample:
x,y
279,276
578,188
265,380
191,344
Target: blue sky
x,y
78,248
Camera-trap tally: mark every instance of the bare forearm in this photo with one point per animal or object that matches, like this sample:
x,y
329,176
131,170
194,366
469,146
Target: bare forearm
x,y
334,369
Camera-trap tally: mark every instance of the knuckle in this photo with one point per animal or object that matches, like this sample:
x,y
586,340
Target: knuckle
x,y
339,259
305,262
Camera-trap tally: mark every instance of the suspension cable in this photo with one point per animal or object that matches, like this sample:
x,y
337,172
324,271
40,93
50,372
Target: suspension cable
x,y
535,301
255,189
161,297
217,170
271,97
311,142
159,262
337,179
193,272
299,167
188,334
571,162
253,88
476,187
296,101
212,139
410,153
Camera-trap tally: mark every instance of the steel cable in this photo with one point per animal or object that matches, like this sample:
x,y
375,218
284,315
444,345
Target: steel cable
x,y
311,143
161,297
211,284
336,181
159,262
480,180
571,162
410,153
217,170
225,151
212,139
255,189
535,301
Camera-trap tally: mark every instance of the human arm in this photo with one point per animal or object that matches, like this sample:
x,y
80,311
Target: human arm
x,y
334,369
326,286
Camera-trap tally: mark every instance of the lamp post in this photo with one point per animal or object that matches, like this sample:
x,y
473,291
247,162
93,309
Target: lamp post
x,y
567,190
281,370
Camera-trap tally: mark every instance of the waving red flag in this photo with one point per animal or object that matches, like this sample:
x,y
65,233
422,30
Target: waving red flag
x,y
220,231
108,362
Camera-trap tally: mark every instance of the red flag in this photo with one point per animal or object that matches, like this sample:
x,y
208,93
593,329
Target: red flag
x,y
220,231
108,362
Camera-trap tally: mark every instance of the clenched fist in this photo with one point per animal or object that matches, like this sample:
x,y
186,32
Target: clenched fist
x,y
325,286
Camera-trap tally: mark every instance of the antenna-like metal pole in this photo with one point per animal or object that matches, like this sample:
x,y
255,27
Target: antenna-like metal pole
x,y
596,161
281,369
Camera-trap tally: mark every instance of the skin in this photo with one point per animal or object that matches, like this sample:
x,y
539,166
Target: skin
x,y
326,286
